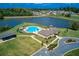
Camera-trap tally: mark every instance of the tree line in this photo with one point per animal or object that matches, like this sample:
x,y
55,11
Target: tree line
x,y
28,12
15,12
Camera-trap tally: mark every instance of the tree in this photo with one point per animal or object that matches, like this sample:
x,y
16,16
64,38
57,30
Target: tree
x,y
67,15
16,12
74,26
1,16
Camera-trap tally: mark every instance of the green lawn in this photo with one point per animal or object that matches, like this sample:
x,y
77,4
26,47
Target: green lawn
x,y
19,46
4,28
74,52
72,18
70,33
75,17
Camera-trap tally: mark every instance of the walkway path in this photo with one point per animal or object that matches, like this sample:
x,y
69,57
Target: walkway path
x,y
33,37
37,40
38,51
52,41
45,48
60,49
57,37
24,35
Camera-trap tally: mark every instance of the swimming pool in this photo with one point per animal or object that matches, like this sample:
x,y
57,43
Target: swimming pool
x,y
32,29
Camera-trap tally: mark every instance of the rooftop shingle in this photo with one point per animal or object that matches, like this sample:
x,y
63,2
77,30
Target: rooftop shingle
x,y
48,32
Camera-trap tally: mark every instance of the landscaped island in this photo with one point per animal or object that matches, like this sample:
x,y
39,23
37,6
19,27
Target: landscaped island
x,y
53,45
69,41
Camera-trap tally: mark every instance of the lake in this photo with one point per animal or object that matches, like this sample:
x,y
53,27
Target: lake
x,y
47,21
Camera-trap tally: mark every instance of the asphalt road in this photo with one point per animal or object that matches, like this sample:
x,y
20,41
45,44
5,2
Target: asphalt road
x,y
60,49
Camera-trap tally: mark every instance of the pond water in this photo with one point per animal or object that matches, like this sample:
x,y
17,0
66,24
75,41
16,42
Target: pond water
x,y
40,20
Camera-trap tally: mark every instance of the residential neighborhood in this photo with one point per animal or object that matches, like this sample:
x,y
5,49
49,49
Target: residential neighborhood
x,y
39,29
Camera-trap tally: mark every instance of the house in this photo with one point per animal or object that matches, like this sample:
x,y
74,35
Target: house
x,y
48,32
7,35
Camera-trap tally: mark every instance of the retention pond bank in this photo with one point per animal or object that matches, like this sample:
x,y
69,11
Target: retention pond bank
x,y
46,21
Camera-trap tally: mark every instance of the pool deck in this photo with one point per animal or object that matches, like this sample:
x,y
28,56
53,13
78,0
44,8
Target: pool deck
x,y
33,31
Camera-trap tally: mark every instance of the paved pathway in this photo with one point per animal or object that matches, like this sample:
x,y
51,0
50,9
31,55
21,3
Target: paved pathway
x,y
38,40
60,49
57,37
24,35
38,51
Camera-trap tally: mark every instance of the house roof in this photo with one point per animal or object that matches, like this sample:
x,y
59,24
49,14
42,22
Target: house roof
x,y
6,34
48,32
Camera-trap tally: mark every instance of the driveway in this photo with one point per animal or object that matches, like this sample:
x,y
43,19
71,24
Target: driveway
x,y
60,49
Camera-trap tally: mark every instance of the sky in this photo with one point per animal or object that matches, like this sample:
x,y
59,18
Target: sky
x,y
38,5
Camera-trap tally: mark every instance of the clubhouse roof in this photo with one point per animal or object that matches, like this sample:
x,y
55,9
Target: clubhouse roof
x,y
48,32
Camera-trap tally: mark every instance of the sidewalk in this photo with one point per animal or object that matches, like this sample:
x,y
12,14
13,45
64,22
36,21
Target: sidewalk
x,y
37,40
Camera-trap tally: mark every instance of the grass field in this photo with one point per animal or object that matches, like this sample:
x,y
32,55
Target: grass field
x,y
74,52
72,18
19,46
69,33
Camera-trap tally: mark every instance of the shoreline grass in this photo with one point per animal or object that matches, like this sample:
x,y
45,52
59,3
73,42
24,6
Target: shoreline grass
x,y
69,33
8,17
72,18
73,52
